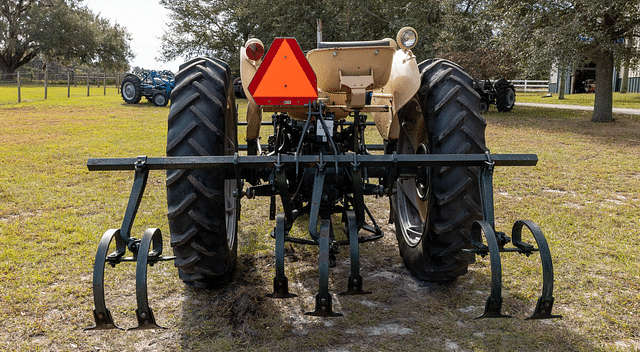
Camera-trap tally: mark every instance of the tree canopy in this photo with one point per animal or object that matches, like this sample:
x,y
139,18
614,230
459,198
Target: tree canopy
x,y
489,38
59,30
220,27
570,33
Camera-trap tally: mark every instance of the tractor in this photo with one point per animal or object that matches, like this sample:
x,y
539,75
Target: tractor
x,y
502,94
431,162
153,85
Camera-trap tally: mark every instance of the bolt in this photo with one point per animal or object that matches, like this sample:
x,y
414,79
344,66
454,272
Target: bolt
x,y
100,315
355,281
323,300
143,315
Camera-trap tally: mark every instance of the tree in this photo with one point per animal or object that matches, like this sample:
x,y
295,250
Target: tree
x,y
570,32
58,30
467,37
220,27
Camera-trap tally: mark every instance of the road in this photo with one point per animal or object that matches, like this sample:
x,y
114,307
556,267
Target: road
x,y
623,111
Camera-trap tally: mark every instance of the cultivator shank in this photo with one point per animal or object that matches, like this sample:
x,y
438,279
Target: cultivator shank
x,y
146,251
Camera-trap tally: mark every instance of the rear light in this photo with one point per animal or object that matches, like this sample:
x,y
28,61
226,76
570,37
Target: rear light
x,y
254,49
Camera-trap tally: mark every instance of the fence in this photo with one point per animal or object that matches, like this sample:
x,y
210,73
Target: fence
x,y
531,85
33,86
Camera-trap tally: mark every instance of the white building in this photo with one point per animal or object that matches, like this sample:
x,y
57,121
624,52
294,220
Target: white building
x,y
576,82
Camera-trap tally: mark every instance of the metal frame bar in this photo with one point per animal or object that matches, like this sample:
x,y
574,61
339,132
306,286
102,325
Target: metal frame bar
x,y
404,162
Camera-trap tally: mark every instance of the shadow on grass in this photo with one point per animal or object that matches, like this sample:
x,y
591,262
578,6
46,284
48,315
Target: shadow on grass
x,y
402,313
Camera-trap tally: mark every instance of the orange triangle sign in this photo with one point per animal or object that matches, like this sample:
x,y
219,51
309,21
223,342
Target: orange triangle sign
x,y
284,77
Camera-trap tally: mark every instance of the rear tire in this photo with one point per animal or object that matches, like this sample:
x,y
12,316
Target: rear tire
x,y
131,89
202,211
505,95
433,216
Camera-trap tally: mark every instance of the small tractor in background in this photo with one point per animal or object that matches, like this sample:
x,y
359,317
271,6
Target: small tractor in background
x,y
502,94
153,85
431,162
237,88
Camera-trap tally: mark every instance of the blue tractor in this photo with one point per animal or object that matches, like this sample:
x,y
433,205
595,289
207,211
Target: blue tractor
x,y
153,85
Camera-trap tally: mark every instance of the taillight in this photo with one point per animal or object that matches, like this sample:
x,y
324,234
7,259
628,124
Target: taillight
x,y
254,50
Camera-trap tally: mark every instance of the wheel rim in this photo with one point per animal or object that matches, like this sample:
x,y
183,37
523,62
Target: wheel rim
x,y
483,106
412,196
160,99
230,211
231,202
422,182
129,90
511,97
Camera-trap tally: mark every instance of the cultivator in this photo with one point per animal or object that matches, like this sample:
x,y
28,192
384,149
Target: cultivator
x,y
433,166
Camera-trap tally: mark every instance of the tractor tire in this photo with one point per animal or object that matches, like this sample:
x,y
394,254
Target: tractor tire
x,y
160,99
505,95
484,105
202,210
433,215
131,89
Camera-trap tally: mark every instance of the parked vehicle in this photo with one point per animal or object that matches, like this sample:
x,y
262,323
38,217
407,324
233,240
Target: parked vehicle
x,y
502,94
153,85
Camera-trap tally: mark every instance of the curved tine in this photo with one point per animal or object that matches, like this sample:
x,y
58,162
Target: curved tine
x,y
355,279
146,319
101,314
280,281
493,305
545,302
323,298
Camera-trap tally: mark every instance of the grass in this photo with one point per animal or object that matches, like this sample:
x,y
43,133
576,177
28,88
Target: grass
x,y
32,93
628,100
583,193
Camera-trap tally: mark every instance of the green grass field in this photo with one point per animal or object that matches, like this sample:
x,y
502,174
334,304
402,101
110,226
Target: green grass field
x,y
33,93
584,193
629,100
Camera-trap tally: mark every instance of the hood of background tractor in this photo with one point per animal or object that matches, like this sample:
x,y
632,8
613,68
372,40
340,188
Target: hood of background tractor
x,y
284,77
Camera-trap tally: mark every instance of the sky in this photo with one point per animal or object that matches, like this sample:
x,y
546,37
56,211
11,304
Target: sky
x,y
145,20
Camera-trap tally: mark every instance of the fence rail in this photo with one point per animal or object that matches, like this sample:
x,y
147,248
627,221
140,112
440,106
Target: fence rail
x,y
33,86
531,85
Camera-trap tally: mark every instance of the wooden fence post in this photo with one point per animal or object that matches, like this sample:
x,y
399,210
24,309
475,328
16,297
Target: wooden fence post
x,y
68,84
19,97
46,73
104,82
87,83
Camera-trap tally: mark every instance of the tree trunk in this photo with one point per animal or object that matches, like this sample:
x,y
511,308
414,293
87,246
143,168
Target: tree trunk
x,y
624,85
602,109
561,83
